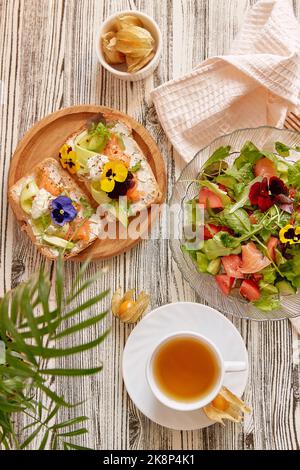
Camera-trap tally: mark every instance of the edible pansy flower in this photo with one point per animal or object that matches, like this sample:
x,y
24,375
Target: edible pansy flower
x,y
290,234
68,159
62,210
113,172
265,193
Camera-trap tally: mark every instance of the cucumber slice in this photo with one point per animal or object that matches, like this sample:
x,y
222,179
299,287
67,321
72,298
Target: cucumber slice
x,y
120,212
285,288
214,266
58,242
27,194
42,223
202,262
58,231
98,195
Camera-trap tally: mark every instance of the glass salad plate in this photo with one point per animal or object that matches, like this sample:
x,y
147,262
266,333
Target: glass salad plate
x,y
186,188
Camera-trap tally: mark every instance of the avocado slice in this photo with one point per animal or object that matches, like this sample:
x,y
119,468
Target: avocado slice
x,y
58,242
27,194
81,148
285,288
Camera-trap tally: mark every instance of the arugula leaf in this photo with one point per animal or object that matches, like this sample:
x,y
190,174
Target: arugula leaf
x,y
243,174
238,221
216,190
217,156
214,248
88,210
282,149
136,167
242,201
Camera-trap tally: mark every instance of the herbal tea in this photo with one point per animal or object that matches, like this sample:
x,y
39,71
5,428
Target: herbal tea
x,y
185,369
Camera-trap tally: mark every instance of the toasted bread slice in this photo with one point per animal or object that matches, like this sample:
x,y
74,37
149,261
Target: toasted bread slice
x,y
147,189
52,181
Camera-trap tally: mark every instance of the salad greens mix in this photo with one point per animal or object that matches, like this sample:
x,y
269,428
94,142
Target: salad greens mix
x,y
250,236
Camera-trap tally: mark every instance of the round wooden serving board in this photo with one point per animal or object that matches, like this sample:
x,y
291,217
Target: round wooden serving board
x,y
46,137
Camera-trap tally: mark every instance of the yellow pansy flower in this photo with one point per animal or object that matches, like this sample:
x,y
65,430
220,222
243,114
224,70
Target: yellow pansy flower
x,y
290,234
68,159
113,172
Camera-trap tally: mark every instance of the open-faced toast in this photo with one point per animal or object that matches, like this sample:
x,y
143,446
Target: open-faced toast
x,y
54,211
105,157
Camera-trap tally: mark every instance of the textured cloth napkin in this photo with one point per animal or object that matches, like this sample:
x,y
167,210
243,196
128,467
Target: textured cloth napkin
x,y
255,85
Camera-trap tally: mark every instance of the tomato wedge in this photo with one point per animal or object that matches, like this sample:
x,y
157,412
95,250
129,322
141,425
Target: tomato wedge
x,y
250,290
208,198
253,260
225,283
271,247
265,167
232,264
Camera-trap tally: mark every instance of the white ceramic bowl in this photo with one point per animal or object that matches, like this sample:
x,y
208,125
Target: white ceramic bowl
x,y
119,71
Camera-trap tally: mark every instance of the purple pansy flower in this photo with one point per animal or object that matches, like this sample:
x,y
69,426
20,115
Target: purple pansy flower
x,y
62,210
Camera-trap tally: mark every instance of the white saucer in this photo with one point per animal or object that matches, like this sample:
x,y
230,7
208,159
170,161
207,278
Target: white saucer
x,y
169,319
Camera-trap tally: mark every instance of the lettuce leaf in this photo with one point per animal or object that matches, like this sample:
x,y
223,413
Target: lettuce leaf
x,y
238,221
282,149
249,154
294,175
217,156
267,303
214,248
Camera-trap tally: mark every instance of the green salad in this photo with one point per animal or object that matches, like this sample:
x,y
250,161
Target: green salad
x,y
249,236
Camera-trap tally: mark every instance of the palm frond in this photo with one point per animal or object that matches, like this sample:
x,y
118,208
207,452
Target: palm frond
x,y
29,324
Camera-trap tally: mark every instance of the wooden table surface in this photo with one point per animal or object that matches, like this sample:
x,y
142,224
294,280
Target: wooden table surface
x,y
47,61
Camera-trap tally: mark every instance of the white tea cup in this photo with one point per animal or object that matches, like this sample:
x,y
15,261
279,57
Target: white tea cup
x,y
223,367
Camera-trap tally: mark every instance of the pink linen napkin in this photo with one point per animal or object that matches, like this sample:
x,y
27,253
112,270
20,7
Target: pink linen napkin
x,y
255,85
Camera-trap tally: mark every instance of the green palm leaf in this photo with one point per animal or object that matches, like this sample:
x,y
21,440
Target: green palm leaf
x,y
28,325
